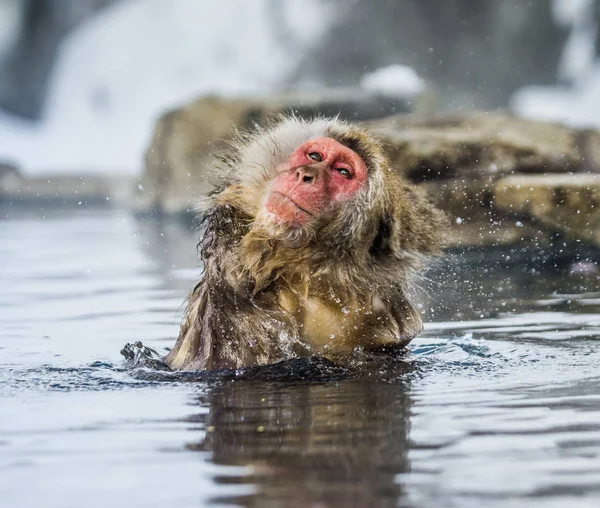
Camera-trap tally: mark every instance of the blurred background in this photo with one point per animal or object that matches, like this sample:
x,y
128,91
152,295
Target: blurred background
x,y
82,81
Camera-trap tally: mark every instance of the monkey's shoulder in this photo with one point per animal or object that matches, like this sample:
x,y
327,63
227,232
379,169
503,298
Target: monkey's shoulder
x,y
223,227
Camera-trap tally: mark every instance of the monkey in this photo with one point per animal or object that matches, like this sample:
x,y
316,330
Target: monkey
x,y
311,243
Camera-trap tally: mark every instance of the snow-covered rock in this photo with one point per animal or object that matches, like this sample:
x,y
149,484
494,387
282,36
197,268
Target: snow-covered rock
x,y
119,71
394,80
576,101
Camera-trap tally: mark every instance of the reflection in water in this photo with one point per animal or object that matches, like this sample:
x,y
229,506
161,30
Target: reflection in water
x,y
339,444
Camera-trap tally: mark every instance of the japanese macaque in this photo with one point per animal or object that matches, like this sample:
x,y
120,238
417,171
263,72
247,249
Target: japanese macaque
x,y
310,246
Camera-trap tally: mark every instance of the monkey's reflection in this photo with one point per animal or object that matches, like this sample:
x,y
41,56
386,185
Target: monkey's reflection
x,y
331,444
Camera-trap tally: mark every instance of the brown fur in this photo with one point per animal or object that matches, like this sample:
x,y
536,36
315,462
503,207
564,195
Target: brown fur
x,y
271,292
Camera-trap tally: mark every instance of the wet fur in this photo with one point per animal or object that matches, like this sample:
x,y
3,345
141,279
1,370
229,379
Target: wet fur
x,y
262,279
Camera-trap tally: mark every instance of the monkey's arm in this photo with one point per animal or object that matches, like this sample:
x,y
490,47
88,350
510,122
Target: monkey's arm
x,y
195,346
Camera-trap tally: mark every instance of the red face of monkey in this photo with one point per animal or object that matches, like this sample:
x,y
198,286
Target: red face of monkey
x,y
317,175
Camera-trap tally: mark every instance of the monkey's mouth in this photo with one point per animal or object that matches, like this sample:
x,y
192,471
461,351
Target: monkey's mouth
x,y
285,209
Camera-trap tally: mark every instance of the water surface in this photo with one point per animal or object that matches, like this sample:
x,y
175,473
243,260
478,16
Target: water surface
x,y
498,403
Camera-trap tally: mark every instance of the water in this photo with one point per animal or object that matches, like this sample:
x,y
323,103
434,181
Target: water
x,y
497,405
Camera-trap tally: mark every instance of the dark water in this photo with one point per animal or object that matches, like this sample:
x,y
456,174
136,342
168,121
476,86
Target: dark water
x,y
498,403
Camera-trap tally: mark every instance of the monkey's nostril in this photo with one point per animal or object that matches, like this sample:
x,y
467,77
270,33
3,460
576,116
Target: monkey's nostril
x,y
304,175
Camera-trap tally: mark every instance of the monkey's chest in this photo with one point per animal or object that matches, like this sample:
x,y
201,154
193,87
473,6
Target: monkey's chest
x,y
331,327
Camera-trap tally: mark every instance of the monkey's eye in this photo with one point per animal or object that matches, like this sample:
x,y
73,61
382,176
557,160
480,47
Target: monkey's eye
x,y
344,172
316,156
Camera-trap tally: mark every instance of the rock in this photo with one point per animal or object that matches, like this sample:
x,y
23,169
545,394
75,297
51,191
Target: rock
x,y
484,144
185,139
63,190
466,163
181,150
460,159
9,173
474,222
567,204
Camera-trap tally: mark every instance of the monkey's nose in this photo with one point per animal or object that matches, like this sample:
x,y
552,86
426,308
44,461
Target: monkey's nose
x,y
306,174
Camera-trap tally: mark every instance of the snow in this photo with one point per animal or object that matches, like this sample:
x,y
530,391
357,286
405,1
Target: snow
x,y
567,12
578,107
394,80
576,101
579,51
117,73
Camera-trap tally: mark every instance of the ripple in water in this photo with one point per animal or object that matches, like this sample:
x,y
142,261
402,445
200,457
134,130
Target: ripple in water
x,y
497,404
